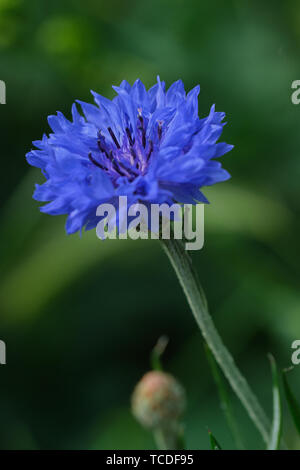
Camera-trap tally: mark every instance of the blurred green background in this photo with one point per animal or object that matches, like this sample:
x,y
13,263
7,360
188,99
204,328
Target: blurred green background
x,y
79,316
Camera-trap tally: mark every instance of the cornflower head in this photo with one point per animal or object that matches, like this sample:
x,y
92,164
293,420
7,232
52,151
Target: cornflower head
x,y
150,146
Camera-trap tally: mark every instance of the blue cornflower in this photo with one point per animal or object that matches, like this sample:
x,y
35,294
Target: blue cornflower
x,y
150,146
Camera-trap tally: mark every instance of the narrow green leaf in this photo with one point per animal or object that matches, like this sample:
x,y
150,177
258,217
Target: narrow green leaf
x,y
276,429
214,445
224,398
293,404
157,352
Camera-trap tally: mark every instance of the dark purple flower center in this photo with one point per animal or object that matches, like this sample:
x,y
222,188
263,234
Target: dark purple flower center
x,y
129,158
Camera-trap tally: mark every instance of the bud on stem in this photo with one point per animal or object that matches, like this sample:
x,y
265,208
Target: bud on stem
x,y
158,402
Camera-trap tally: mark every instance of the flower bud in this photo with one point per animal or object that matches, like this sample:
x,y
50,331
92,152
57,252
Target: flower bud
x,y
158,400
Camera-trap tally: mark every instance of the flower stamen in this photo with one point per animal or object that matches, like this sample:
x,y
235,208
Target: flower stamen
x,y
131,142
95,162
150,150
113,137
141,127
159,129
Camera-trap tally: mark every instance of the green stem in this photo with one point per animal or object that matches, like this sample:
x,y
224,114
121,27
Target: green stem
x,y
164,439
196,298
170,437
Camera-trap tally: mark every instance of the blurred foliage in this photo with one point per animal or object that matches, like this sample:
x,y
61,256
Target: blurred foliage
x,y
79,316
